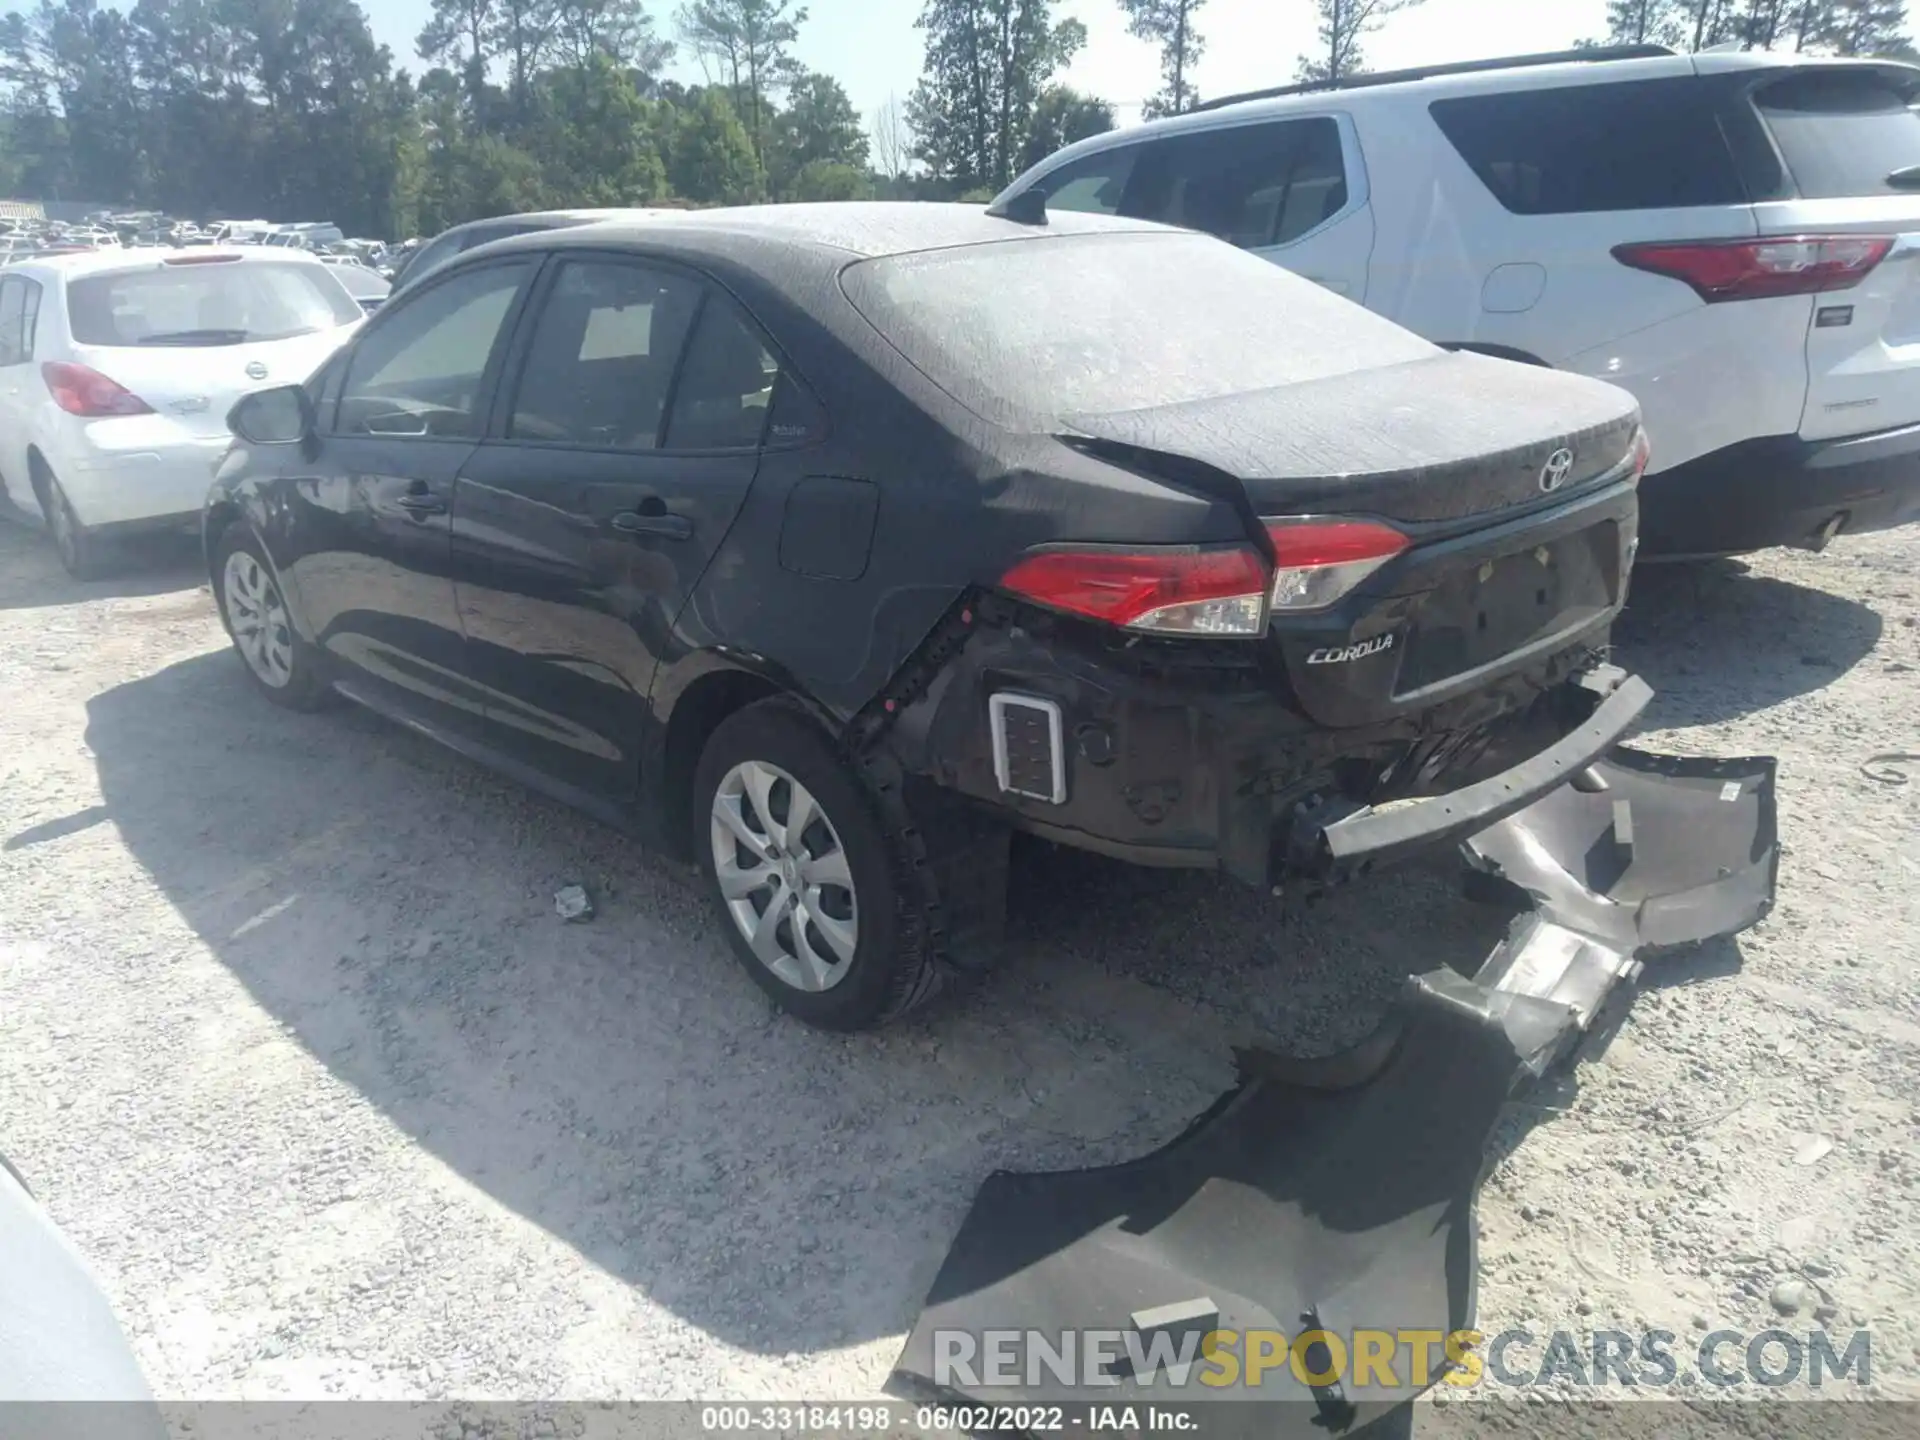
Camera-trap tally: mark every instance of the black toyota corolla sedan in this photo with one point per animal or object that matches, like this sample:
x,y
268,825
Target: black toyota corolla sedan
x,y
830,545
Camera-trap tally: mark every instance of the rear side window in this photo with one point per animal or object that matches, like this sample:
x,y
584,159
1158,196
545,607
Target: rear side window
x,y
1252,185
15,343
220,303
1632,145
726,385
1844,134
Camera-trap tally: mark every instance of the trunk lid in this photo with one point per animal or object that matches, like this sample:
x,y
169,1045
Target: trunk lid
x,y
1453,437
1516,552
1851,145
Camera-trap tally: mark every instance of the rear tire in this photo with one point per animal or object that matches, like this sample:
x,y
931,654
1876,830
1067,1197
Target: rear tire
x,y
831,918
281,665
83,554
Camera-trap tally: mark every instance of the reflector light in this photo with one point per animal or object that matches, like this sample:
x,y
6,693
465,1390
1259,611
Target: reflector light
x,y
1162,589
1722,270
83,391
1318,561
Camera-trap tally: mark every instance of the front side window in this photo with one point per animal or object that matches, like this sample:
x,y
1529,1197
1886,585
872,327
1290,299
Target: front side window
x,y
1254,186
601,362
1094,185
726,385
419,368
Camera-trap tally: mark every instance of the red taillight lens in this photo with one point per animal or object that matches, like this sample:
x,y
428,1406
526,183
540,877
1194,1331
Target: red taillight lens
x,y
80,390
1721,270
1318,561
215,259
1168,590
1642,452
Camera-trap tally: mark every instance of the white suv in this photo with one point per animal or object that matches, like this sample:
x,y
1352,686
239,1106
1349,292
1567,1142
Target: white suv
x,y
1732,237
118,368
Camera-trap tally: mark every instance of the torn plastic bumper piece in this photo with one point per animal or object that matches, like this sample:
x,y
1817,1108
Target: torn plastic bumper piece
x,y
1336,1195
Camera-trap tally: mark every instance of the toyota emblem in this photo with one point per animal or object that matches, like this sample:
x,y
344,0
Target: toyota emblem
x,y
257,371
1555,472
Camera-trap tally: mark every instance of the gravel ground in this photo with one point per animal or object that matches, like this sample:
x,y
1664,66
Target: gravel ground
x,y
295,1049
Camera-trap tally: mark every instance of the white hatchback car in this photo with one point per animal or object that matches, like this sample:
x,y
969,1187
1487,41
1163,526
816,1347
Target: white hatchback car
x,y
118,368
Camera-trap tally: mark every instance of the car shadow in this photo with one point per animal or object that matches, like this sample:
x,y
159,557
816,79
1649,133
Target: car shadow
x,y
31,577
1717,641
623,1084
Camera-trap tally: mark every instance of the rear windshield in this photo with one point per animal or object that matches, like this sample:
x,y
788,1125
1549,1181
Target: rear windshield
x,y
220,303
1028,332
1845,134
1583,149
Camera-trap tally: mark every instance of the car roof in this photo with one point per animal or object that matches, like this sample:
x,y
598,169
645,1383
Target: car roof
x,y
838,229
81,263
1442,84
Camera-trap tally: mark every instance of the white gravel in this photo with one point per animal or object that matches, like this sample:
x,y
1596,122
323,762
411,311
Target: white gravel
x,y
295,1048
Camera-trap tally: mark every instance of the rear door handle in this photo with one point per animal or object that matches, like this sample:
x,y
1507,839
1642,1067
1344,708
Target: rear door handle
x,y
415,503
673,527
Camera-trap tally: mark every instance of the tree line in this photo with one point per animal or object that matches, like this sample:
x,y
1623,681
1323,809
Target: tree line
x,y
289,109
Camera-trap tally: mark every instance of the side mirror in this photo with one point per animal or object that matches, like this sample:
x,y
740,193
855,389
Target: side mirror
x,y
281,416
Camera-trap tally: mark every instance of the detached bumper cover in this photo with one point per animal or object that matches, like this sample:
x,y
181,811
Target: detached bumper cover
x,y
1337,1194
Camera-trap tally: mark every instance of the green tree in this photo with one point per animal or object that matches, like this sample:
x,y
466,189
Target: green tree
x,y
621,30
986,64
1344,25
751,41
818,126
459,35
1868,27
831,180
712,159
1061,117
1170,25
597,141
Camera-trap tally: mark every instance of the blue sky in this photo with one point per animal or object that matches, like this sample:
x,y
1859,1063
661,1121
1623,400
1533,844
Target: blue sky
x,y
872,48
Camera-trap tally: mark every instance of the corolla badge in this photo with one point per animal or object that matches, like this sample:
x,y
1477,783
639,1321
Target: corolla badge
x,y
1555,472
257,371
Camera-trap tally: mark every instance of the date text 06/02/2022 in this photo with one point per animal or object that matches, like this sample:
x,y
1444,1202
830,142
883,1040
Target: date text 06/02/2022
x,y
880,1419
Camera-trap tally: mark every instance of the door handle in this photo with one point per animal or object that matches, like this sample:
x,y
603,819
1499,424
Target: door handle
x,y
418,502
673,527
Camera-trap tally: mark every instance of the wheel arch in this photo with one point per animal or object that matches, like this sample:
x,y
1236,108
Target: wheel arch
x,y
702,690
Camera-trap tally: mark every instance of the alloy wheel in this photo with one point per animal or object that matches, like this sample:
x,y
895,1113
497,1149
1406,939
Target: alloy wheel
x,y
784,877
257,615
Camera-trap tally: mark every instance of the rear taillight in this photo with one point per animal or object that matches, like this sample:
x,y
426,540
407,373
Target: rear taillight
x,y
1755,269
83,391
1161,589
1318,561
1642,452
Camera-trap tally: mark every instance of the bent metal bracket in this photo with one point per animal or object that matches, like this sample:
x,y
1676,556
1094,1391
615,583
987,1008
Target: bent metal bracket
x,y
1337,1194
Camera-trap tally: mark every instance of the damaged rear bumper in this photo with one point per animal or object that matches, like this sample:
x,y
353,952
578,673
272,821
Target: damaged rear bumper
x,y
1336,1195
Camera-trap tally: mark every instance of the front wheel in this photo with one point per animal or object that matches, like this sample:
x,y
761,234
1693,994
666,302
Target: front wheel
x,y
815,890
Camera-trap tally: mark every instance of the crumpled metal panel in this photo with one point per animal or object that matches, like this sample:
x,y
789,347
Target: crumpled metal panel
x,y
1338,1193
